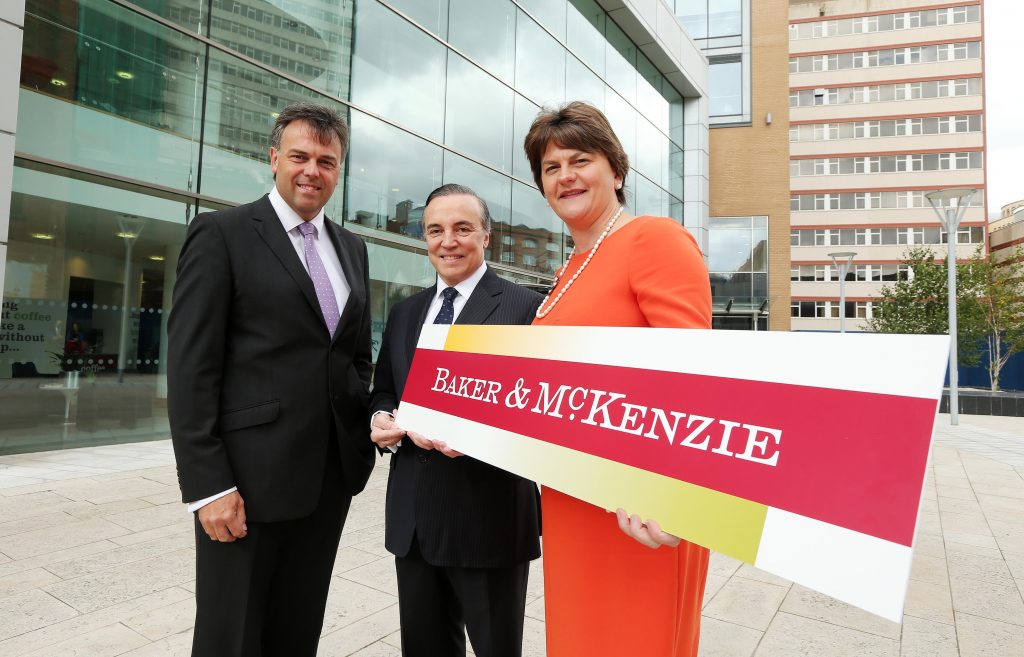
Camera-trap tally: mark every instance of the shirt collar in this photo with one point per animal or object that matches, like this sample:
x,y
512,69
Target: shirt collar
x,y
467,286
290,219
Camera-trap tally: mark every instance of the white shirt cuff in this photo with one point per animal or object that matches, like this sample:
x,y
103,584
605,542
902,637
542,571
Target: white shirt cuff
x,y
195,506
393,448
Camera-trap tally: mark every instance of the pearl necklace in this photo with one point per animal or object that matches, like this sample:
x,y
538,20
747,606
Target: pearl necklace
x,y
541,312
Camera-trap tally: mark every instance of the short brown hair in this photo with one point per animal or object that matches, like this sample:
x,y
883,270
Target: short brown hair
x,y
576,125
326,123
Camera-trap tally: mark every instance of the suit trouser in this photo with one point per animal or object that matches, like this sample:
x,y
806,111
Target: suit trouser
x,y
439,605
265,595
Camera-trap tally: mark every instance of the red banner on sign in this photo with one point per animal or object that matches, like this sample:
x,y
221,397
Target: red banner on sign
x,y
798,448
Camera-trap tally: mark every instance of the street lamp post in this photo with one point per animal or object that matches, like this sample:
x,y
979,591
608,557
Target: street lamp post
x,y
950,205
842,260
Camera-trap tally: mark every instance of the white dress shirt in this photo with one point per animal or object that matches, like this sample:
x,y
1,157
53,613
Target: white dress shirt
x,y
465,290
290,221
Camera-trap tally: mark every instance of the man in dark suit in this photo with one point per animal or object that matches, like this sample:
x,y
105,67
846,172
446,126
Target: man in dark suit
x,y
268,374
462,532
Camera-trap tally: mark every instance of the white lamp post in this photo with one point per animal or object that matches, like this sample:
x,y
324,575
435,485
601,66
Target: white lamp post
x,y
842,260
950,205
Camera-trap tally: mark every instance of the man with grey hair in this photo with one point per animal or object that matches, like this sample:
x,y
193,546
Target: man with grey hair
x,y
463,532
268,375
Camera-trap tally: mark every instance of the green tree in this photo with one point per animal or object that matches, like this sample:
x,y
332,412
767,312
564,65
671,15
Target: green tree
x,y
990,305
1001,298
918,304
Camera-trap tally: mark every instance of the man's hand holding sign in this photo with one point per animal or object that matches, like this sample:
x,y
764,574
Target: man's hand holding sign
x,y
749,444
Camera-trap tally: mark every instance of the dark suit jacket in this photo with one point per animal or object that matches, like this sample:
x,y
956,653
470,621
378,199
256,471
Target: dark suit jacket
x,y
255,383
463,512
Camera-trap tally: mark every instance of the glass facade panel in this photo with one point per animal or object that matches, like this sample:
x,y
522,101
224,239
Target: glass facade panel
x,y
694,16
620,62
431,14
585,35
549,13
493,187
725,87
485,31
533,229
388,176
622,118
312,46
128,127
725,18
729,250
652,152
582,84
478,117
398,72
738,261
525,113
105,89
540,63
88,278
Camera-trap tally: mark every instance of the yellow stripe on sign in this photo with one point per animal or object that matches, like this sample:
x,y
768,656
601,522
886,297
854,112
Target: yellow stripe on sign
x,y
724,523
546,342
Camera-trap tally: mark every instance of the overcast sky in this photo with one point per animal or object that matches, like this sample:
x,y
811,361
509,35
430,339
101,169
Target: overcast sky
x,y
1004,101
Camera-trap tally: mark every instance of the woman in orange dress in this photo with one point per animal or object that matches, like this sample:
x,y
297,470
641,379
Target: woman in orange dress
x,y
615,586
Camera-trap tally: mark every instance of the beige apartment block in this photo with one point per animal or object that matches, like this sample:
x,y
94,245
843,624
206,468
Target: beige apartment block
x,y
748,161
886,104
1006,234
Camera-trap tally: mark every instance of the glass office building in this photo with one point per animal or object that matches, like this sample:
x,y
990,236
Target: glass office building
x,y
132,116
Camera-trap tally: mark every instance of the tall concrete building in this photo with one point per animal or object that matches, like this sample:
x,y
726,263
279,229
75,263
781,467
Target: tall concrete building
x,y
1006,234
886,103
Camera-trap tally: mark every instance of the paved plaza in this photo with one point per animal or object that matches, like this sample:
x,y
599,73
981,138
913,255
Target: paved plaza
x,y
96,559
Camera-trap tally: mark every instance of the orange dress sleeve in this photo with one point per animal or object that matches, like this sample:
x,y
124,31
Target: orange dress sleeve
x,y
668,276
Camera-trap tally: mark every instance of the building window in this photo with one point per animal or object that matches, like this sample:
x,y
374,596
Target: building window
x,y
721,28
725,87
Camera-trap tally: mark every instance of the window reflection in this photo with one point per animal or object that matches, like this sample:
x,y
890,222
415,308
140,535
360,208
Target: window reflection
x,y
738,259
493,187
582,84
485,31
431,14
725,88
724,18
309,45
398,71
104,88
622,118
478,120
549,13
533,238
540,63
585,35
620,62
388,176
88,279
525,113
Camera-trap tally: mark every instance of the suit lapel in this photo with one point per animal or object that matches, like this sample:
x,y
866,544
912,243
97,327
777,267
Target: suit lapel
x,y
483,301
267,224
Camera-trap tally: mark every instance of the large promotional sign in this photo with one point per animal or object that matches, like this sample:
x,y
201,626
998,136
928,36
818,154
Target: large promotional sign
x,y
803,454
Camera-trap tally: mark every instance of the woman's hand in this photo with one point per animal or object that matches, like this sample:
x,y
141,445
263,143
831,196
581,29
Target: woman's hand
x,y
647,532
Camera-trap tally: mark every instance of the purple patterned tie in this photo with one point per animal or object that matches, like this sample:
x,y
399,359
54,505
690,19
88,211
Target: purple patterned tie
x,y
317,272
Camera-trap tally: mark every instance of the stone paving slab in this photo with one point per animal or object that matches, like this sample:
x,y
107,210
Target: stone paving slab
x,y
96,559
